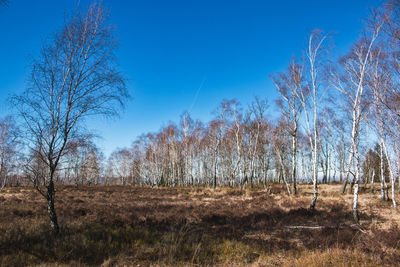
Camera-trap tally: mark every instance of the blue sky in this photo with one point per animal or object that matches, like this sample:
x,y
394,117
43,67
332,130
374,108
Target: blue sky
x,y
182,55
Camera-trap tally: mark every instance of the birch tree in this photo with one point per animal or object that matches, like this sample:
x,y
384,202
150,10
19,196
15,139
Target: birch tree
x,y
310,97
379,81
288,85
281,153
75,76
120,162
352,86
256,110
9,144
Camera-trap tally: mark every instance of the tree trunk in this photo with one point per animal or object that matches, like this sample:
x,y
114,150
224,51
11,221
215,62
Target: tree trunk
x,y
393,190
382,188
357,182
396,162
315,186
50,206
387,191
327,174
346,179
391,172
344,185
397,154
294,162
215,181
315,181
328,166
352,183
355,201
383,182
334,167
284,175
372,182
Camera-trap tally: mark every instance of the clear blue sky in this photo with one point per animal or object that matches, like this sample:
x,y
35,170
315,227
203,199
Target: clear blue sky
x,y
169,49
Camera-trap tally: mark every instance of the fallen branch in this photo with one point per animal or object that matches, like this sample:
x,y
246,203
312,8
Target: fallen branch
x,y
307,227
356,226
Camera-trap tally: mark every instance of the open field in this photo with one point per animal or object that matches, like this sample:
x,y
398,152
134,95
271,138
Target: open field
x,y
116,225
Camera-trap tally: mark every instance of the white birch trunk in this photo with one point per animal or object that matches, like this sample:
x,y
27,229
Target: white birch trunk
x,y
391,171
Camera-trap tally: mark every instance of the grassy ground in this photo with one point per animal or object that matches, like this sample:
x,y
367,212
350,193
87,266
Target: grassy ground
x,y
136,226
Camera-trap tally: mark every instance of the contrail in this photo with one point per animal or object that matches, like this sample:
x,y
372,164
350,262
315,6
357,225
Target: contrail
x,y
197,94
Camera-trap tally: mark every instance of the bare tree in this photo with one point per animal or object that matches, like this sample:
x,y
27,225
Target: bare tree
x,y
288,85
383,122
281,144
256,112
186,125
217,129
9,141
91,166
390,23
352,85
81,161
74,77
121,164
310,97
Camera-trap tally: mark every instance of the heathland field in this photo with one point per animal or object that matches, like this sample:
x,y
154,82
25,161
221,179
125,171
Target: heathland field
x,y
143,226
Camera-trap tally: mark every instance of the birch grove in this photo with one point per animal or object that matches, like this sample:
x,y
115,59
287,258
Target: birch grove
x,y
336,120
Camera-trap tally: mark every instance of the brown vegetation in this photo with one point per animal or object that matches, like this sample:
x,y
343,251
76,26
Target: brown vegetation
x,y
124,225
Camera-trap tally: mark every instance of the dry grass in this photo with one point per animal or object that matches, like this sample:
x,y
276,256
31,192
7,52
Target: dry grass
x,y
115,225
